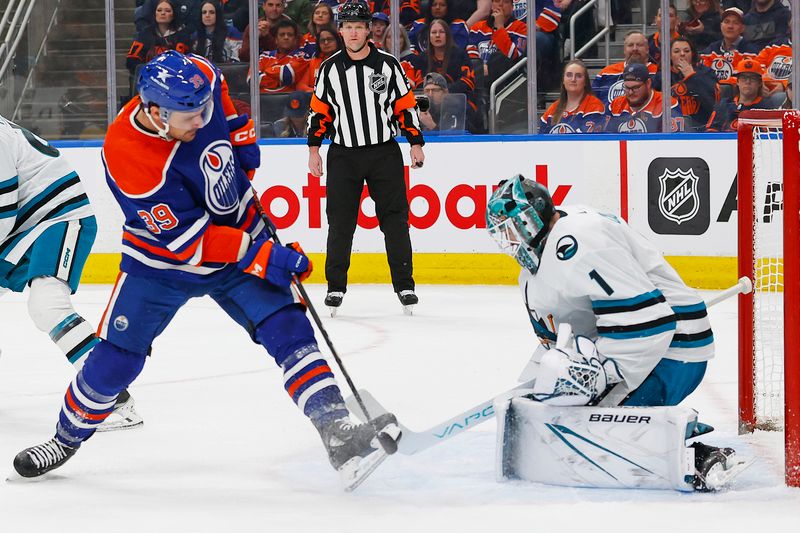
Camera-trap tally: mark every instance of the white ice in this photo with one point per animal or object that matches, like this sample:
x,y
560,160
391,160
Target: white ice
x,y
223,447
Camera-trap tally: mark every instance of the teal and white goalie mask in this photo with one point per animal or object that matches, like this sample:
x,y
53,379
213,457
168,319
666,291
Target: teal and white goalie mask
x,y
518,218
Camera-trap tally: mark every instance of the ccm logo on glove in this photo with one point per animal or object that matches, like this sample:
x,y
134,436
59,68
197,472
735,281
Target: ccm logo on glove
x,y
276,263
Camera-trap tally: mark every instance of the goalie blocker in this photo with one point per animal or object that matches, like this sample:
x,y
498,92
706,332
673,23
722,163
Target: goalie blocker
x,y
608,447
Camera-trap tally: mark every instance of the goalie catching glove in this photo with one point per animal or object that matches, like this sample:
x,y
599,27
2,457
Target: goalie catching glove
x,y
245,148
276,263
579,376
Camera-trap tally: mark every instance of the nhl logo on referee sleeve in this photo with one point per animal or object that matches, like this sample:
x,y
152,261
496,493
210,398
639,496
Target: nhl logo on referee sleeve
x,y
678,196
377,83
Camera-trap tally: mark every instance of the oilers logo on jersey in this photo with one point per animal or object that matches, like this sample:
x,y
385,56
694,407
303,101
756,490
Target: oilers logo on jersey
x,y
616,90
678,199
722,68
562,128
634,125
219,169
780,68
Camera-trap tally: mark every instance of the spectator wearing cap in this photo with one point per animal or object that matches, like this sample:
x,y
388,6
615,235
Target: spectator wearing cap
x,y
293,122
577,109
607,85
322,16
638,110
654,41
380,21
749,74
279,70
702,26
438,9
767,21
693,84
328,42
721,56
445,112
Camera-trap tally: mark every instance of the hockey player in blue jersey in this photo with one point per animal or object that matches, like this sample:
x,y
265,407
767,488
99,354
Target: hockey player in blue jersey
x,y
177,160
46,231
640,332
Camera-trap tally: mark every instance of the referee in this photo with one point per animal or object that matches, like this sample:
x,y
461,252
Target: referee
x,y
360,97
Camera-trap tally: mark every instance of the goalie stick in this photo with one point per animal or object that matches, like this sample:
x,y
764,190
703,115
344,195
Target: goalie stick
x,y
413,442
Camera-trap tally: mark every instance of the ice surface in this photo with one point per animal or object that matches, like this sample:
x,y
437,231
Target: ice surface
x,y
223,447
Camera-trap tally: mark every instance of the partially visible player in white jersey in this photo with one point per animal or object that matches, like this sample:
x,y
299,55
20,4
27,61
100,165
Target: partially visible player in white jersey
x,y
640,332
47,229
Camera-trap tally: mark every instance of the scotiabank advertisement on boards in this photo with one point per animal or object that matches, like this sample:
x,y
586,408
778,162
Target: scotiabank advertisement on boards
x,y
679,193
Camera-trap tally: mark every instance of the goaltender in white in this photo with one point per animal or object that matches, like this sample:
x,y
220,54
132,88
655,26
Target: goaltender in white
x,y
642,340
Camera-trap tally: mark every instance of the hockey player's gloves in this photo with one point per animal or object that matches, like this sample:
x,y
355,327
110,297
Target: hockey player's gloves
x,y
276,263
243,139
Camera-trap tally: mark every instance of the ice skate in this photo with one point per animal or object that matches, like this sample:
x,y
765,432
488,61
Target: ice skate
x,y
354,450
715,467
124,415
408,300
38,460
333,300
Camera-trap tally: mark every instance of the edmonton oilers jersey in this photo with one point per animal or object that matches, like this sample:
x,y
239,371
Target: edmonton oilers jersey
x,y
171,191
613,286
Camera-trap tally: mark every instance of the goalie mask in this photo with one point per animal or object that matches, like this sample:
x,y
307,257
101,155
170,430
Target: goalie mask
x,y
518,219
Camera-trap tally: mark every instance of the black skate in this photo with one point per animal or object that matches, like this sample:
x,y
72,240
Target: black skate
x,y
333,300
354,450
715,467
38,460
408,300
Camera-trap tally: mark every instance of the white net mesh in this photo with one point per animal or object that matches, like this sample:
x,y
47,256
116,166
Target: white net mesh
x,y
768,276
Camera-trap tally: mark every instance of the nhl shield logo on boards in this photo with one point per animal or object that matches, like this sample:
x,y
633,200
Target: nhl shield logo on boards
x,y
377,83
678,196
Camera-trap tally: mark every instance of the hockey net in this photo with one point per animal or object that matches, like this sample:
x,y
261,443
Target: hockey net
x,y
769,254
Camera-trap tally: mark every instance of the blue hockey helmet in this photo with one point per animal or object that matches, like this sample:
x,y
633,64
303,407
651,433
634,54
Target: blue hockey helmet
x,y
178,87
518,218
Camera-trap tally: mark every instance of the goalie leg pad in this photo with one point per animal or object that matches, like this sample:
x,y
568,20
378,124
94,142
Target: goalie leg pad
x,y
620,447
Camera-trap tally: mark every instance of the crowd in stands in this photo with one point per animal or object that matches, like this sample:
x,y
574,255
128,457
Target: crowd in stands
x,y
724,55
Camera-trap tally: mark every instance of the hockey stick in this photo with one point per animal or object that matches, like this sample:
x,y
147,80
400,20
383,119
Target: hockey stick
x,y
388,441
416,441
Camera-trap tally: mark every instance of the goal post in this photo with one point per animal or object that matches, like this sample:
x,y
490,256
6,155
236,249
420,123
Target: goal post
x,y
769,254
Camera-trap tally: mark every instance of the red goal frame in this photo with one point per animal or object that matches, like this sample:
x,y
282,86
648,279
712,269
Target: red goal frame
x,y
789,122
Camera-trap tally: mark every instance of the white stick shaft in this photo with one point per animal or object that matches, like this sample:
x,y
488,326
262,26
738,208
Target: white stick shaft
x,y
744,286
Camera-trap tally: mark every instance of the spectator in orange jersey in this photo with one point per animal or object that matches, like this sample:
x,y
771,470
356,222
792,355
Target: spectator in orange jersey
x,y
721,56
654,41
638,110
607,85
703,24
327,42
279,70
577,109
498,40
320,17
749,74
160,34
776,58
693,84
269,14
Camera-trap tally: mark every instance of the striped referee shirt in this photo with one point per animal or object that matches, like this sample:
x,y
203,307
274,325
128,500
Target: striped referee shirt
x,y
362,103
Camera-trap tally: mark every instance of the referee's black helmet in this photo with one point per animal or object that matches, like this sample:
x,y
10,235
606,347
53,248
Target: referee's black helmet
x,y
354,11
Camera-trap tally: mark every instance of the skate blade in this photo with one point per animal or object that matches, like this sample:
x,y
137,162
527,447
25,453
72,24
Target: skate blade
x,y
13,477
355,471
408,310
333,311
718,479
119,426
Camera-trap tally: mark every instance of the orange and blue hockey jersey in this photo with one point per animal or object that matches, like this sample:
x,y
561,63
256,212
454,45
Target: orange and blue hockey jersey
x,y
623,119
510,41
188,206
607,85
722,61
588,117
279,72
777,60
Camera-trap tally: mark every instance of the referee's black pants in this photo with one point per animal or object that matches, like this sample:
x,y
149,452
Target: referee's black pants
x,y
381,166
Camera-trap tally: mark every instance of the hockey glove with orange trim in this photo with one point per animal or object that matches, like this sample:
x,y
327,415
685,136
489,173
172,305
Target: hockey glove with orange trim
x,y
243,139
275,263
